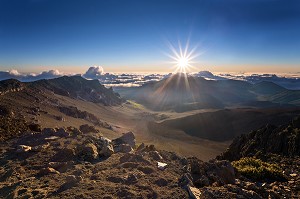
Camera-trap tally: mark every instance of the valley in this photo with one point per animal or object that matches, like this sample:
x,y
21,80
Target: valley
x,y
204,133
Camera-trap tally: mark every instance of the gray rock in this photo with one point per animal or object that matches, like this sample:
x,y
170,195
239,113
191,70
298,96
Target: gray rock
x,y
140,147
85,128
127,138
161,182
88,152
40,147
23,148
48,132
107,151
47,171
60,166
61,132
123,148
220,172
194,192
64,155
72,179
155,155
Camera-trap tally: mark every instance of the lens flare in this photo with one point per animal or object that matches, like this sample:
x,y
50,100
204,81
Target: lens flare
x,y
183,58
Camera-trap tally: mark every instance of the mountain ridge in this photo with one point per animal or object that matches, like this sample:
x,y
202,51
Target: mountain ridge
x,y
181,92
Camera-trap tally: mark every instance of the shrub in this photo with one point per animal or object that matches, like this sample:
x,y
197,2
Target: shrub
x,y
257,169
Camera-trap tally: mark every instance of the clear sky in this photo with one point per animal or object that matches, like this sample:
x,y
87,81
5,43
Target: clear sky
x,y
132,36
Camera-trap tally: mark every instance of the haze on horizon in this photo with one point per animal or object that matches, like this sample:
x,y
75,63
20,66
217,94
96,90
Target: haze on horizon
x,y
132,36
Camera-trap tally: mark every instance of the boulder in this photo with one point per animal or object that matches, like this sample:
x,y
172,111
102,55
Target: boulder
x,y
106,151
161,165
146,169
115,179
161,182
214,171
225,171
106,147
40,147
60,166
126,138
155,155
47,171
123,148
74,131
85,128
148,148
48,131
72,179
194,192
23,148
132,178
61,132
64,155
186,179
35,127
51,138
140,147
88,152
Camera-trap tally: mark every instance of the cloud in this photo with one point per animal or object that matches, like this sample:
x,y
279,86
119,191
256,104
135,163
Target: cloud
x,y
209,76
94,72
14,74
289,81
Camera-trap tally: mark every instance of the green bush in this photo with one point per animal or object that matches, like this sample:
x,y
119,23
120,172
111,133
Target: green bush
x,y
257,169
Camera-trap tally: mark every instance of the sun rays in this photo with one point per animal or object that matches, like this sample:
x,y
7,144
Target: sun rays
x,y
183,58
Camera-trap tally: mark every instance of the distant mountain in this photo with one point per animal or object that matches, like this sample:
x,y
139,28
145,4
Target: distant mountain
x,y
267,88
80,88
181,92
286,97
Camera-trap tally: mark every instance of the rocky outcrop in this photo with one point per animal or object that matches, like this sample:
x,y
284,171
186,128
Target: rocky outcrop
x,y
70,162
73,111
10,85
282,140
202,174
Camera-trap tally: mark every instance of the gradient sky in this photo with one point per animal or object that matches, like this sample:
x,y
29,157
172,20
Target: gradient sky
x,y
132,36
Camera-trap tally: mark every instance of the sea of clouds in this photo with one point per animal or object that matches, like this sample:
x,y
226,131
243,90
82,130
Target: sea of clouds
x,y
288,80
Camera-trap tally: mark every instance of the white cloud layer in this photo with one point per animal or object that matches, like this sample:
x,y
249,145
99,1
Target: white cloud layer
x,y
14,74
289,81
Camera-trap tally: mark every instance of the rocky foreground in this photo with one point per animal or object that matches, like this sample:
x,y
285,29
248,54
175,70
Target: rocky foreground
x,y
81,163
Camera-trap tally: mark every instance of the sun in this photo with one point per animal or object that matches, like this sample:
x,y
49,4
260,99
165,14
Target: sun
x,y
182,59
183,64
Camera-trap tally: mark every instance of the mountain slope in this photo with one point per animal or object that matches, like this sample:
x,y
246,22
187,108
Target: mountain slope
x,y
52,102
283,140
226,124
80,88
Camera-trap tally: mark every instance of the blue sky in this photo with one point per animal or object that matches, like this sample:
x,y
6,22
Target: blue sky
x,y
131,36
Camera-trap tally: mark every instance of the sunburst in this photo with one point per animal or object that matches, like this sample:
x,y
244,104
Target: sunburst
x,y
183,59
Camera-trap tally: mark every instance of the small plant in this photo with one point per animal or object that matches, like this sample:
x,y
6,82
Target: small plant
x,y
257,169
